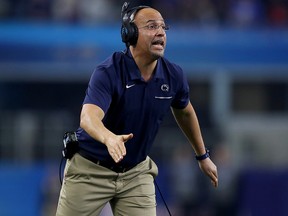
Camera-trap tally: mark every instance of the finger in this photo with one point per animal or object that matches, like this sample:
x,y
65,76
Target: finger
x,y
127,137
214,179
214,182
116,157
122,150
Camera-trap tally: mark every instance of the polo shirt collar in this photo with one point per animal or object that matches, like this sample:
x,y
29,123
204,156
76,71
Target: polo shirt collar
x,y
134,71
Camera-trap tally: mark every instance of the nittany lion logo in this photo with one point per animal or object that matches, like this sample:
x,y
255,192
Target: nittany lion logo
x,y
165,87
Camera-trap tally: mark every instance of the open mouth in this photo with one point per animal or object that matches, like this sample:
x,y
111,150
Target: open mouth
x,y
158,43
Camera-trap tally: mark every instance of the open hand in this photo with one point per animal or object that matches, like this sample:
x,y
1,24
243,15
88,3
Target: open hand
x,y
116,146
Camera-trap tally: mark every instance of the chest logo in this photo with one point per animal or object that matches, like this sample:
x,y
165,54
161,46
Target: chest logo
x,y
129,86
165,87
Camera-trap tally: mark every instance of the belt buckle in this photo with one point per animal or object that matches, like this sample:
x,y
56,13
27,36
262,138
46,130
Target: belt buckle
x,y
119,169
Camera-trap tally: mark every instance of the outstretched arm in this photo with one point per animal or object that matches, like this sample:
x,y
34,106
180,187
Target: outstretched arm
x,y
188,122
91,121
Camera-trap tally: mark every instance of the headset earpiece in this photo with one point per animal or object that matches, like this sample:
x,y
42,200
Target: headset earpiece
x,y
129,31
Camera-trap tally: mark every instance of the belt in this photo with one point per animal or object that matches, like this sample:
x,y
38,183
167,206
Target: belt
x,y
114,167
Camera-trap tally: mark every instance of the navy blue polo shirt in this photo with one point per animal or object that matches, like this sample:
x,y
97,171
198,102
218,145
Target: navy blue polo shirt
x,y
132,105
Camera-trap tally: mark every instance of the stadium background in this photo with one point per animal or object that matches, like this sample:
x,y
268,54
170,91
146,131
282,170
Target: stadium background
x,y
235,54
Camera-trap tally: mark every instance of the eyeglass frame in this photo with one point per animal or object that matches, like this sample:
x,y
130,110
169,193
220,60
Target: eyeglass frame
x,y
154,27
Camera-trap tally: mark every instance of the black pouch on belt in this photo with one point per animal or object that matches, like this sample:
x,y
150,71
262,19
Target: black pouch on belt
x,y
71,145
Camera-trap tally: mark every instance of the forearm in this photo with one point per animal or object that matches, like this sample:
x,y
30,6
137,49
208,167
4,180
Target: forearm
x,y
188,122
91,121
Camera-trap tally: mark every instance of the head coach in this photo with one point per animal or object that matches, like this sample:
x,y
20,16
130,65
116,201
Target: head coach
x,y
126,100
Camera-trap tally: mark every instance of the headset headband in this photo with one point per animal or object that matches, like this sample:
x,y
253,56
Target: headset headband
x,y
128,14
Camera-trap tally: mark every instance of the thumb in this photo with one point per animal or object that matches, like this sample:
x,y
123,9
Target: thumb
x,y
127,137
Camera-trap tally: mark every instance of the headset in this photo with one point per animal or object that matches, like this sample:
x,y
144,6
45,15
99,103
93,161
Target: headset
x,y
129,31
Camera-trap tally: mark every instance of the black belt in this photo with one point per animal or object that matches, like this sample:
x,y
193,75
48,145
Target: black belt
x,y
114,167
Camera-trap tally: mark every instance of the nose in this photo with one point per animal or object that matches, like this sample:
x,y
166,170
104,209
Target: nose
x,y
160,31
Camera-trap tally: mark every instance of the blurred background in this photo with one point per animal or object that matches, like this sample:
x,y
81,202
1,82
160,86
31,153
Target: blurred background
x,y
235,55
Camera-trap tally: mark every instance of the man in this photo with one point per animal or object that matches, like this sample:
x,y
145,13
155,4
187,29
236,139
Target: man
x,y
126,100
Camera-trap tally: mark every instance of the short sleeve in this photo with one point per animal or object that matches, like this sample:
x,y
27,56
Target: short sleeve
x,y
181,99
99,91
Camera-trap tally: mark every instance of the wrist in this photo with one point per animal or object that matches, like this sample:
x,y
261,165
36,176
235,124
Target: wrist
x,y
203,156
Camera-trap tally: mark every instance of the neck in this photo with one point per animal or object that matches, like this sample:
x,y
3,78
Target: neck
x,y
145,64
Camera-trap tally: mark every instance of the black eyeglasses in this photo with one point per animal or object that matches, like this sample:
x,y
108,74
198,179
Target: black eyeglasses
x,y
154,27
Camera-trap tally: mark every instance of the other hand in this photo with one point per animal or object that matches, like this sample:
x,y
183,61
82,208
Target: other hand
x,y
210,169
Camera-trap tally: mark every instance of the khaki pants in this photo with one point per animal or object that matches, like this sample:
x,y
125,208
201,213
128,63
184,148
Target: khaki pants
x,y
87,187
